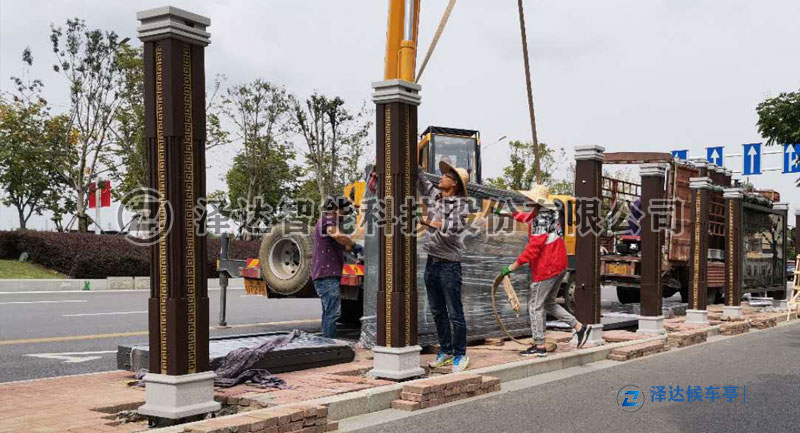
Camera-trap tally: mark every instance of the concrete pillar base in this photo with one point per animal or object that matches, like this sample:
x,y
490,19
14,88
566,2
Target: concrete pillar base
x,y
732,312
176,397
651,325
595,335
396,363
697,317
781,304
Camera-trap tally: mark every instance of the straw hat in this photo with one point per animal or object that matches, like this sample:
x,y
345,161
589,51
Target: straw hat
x,y
458,173
539,194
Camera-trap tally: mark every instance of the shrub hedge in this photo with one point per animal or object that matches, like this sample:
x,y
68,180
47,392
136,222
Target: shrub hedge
x,y
84,255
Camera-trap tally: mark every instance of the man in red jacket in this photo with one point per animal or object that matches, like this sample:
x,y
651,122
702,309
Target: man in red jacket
x,y
546,253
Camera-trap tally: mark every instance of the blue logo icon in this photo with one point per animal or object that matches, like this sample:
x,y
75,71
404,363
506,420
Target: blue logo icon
x,y
791,153
681,154
714,155
752,159
630,398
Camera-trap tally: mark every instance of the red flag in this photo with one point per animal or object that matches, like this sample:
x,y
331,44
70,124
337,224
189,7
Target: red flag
x,y
105,194
92,196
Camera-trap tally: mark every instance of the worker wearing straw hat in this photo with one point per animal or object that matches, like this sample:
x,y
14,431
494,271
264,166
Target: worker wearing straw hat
x,y
546,253
446,219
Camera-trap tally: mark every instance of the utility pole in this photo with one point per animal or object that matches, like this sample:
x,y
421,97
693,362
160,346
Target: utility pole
x,y
536,168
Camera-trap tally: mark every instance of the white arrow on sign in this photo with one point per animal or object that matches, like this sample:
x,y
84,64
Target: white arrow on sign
x,y
752,153
72,357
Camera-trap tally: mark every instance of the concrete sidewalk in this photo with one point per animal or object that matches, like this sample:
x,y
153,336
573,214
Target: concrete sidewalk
x,y
77,284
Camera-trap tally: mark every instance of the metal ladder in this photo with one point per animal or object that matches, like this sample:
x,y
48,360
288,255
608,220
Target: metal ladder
x,y
794,300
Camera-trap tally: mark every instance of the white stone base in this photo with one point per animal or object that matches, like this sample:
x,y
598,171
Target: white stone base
x,y
781,304
595,335
176,397
732,312
651,325
697,317
396,363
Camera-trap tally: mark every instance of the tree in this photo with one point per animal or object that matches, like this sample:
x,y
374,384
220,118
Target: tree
x,y
335,140
27,134
261,113
779,120
520,174
90,62
130,151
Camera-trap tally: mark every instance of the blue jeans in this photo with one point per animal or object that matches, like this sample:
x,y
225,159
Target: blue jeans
x,y
329,292
443,284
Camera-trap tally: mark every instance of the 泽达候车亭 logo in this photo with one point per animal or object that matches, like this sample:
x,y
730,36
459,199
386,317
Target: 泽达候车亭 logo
x,y
630,398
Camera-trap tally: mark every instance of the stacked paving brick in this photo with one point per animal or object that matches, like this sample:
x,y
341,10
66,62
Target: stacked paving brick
x,y
637,350
764,321
686,338
734,327
302,419
427,393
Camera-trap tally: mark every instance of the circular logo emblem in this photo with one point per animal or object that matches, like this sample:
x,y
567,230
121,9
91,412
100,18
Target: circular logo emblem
x,y
152,216
630,398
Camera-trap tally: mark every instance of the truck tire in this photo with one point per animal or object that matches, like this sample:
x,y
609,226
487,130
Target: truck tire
x,y
628,295
567,291
285,258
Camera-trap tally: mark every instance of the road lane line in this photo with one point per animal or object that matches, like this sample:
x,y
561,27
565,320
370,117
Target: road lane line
x,y
139,333
64,301
287,322
104,314
72,357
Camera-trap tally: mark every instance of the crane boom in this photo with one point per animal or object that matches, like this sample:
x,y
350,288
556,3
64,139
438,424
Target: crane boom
x,y
401,40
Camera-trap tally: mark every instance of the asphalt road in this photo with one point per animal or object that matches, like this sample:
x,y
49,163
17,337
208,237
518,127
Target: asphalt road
x,y
55,334
764,362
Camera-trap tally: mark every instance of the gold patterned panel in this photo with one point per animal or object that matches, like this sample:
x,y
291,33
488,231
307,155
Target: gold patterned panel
x,y
163,288
696,262
188,210
389,264
731,254
407,249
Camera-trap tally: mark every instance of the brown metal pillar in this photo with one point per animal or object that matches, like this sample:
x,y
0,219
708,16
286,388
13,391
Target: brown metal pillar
x,y
698,257
396,355
651,319
588,183
733,252
175,118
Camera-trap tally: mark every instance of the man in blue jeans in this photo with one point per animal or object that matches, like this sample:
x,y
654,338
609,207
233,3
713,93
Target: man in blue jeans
x,y
446,218
327,259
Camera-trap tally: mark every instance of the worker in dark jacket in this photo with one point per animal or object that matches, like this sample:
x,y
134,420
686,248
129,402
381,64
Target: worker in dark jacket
x,y
546,253
446,219
327,259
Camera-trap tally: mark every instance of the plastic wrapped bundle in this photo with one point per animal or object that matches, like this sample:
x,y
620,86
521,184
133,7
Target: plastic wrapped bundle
x,y
487,250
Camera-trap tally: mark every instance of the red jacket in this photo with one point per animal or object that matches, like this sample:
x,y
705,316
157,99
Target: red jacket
x,y
546,252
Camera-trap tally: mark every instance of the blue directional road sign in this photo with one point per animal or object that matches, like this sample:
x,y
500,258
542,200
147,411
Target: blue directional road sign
x,y
681,154
752,159
791,153
714,155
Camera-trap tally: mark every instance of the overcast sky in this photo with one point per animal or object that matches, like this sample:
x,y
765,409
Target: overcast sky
x,y
631,75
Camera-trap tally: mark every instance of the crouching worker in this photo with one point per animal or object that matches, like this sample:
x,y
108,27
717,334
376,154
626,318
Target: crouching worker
x,y
327,259
546,253
445,220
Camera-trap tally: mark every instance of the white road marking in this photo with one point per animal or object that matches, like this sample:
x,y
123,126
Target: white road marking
x,y
104,314
72,357
65,301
